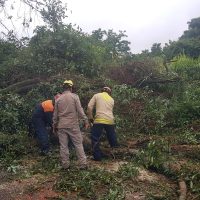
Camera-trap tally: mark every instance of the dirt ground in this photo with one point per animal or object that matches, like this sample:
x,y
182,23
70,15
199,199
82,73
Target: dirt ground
x,y
41,186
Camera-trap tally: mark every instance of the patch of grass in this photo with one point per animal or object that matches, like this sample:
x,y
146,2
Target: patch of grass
x,y
190,172
116,192
128,171
155,154
158,191
188,137
14,147
91,184
47,165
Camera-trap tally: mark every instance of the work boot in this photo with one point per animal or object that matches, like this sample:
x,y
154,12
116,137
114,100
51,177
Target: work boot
x,y
45,153
103,156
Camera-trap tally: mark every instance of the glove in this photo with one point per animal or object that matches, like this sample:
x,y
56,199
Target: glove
x,y
87,125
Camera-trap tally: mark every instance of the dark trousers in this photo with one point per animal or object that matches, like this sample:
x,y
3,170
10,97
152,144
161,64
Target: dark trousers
x,y
97,130
41,133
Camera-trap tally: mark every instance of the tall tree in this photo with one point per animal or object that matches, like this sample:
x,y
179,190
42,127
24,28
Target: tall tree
x,y
115,43
193,29
156,49
52,13
188,43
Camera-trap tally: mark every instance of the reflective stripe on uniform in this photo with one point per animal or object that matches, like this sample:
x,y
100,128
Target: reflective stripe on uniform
x,y
103,121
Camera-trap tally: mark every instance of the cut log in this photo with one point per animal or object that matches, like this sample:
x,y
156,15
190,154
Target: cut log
x,y
17,86
183,190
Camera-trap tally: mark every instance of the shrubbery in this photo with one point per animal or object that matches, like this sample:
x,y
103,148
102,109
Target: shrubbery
x,y
187,67
13,113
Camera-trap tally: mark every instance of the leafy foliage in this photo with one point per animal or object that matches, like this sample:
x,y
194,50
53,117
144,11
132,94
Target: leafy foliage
x,y
152,94
156,49
187,44
7,50
134,73
187,67
13,112
192,177
13,147
87,183
193,29
53,13
155,154
129,171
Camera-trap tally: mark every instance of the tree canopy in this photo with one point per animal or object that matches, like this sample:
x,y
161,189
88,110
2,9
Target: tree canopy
x,y
188,43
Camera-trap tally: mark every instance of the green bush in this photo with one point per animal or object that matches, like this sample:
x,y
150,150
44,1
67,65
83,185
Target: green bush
x,y
13,147
155,155
13,113
87,183
187,67
185,109
128,171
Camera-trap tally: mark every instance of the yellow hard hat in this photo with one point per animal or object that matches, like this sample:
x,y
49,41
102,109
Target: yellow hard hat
x,y
68,82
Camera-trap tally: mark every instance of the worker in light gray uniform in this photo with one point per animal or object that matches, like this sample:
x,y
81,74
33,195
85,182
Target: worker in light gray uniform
x,y
67,113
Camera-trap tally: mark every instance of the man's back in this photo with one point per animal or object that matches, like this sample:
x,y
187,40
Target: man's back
x,y
44,111
103,120
104,108
68,110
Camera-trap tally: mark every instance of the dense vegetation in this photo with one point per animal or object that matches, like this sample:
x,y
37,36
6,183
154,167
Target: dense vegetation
x,y
157,95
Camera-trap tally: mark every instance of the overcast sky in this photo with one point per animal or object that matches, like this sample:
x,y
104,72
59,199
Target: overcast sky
x,y
145,21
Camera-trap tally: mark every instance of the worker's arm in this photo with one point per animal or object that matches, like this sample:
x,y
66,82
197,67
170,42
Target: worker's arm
x,y
90,108
55,117
81,112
